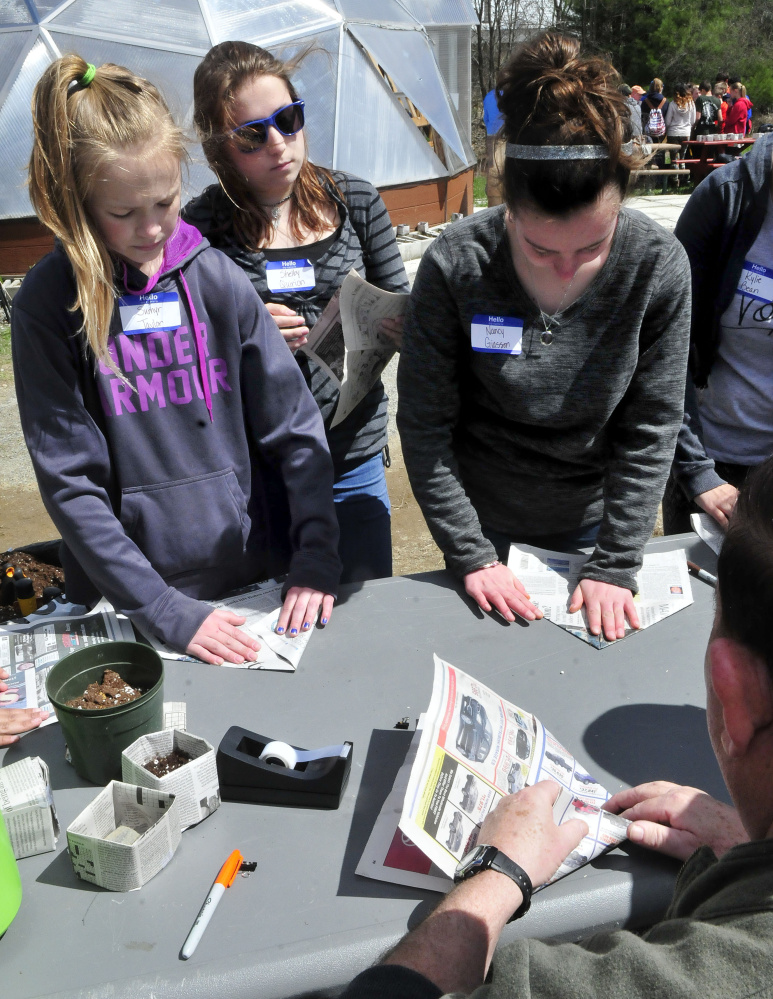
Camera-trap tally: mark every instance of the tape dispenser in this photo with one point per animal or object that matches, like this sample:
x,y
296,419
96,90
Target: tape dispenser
x,y
254,768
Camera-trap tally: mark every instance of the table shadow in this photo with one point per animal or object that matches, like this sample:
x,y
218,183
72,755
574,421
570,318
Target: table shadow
x,y
643,742
60,873
48,744
386,754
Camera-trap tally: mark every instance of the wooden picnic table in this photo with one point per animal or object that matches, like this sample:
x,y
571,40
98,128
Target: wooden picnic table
x,y
705,162
651,172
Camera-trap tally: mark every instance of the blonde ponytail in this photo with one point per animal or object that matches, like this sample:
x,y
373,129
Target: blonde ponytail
x,y
78,127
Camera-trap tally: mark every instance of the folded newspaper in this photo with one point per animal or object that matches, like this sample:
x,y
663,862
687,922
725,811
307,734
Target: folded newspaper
x,y
475,748
30,646
708,530
550,579
260,605
347,343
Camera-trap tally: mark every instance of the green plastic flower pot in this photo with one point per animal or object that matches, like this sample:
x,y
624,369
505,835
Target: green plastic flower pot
x,y
97,738
10,882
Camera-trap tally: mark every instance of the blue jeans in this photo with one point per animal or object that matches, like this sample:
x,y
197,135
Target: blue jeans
x,y
364,518
581,537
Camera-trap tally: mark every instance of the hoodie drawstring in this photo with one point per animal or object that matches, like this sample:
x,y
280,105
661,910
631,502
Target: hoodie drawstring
x,y
200,348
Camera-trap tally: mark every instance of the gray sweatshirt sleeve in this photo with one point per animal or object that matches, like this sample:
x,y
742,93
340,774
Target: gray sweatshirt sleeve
x,y
429,378
645,425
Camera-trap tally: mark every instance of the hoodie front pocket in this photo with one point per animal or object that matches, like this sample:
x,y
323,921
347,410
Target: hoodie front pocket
x,y
188,525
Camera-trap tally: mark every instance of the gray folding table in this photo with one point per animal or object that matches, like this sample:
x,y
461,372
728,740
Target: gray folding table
x,y
304,920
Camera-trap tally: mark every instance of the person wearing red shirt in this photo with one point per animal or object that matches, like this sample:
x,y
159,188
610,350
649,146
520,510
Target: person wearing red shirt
x,y
739,112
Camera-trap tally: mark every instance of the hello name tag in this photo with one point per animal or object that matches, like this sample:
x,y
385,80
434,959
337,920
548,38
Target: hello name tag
x,y
158,310
290,275
756,281
496,334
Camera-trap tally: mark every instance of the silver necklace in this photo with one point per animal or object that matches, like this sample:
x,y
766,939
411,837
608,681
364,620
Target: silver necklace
x,y
275,210
550,320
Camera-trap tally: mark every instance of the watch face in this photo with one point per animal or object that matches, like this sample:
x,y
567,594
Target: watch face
x,y
471,863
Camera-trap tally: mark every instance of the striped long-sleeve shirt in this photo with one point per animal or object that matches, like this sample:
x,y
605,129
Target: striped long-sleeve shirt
x,y
363,240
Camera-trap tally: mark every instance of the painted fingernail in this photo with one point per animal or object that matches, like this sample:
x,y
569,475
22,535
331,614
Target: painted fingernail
x,y
305,625
324,620
293,631
279,630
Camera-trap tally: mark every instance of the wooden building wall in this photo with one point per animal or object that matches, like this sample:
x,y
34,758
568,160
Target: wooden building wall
x,y
432,201
24,241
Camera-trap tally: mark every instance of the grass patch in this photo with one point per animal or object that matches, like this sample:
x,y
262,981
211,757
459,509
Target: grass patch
x,y
479,192
5,343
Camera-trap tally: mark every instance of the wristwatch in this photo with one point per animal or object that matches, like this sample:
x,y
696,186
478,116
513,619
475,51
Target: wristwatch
x,y
489,858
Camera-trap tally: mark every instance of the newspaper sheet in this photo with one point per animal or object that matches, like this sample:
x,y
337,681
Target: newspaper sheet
x,y
389,854
475,748
708,530
260,605
28,808
117,865
347,342
550,579
30,646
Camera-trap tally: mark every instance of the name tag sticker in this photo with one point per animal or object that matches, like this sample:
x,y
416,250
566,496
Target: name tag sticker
x,y
154,311
756,281
496,334
290,275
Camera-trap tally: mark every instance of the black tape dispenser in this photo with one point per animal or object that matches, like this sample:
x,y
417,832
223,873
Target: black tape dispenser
x,y
256,769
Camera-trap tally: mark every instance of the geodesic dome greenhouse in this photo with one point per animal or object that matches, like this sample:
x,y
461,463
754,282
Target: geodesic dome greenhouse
x,y
386,82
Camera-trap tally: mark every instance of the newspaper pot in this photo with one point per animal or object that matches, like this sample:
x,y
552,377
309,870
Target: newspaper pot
x,y
97,738
10,882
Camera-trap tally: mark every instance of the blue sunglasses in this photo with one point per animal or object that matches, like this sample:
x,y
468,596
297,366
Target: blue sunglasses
x,y
288,120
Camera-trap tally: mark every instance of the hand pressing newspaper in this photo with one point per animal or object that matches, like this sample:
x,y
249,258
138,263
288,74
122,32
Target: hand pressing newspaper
x,y
260,606
475,748
550,579
347,343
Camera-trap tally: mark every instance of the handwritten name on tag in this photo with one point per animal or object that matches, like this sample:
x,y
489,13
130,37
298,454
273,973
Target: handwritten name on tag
x,y
496,334
154,311
290,275
756,281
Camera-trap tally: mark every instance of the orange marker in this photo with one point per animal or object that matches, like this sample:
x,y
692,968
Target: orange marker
x,y
224,880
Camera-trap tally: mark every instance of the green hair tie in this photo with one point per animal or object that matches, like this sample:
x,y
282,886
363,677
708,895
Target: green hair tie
x,y
88,76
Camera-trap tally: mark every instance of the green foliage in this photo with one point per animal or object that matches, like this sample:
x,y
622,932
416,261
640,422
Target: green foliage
x,y
681,40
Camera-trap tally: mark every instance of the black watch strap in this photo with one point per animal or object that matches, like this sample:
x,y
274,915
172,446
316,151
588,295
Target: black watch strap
x,y
503,865
489,858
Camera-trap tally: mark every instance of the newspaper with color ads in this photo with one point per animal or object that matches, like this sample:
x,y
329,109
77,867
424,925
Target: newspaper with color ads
x,y
550,579
30,646
347,343
475,748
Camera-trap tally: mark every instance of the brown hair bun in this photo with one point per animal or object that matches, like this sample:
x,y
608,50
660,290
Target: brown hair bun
x,y
551,94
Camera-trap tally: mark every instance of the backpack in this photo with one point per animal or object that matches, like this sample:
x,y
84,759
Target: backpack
x,y
707,110
656,125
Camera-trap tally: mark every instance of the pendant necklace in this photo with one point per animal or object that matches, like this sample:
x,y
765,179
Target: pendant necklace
x,y
275,210
550,320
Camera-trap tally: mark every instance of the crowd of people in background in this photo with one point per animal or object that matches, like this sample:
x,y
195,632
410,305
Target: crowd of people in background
x,y
694,110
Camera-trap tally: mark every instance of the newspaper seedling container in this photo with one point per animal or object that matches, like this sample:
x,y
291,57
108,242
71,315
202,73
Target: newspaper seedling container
x,y
124,837
10,882
97,738
194,785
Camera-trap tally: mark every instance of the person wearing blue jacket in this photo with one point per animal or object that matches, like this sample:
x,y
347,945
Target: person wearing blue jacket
x,y
175,443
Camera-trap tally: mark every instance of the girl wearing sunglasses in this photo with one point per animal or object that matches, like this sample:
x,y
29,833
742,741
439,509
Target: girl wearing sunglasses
x,y
297,230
